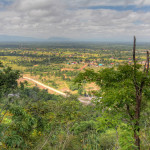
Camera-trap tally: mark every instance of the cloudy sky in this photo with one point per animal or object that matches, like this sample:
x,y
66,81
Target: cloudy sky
x,y
104,20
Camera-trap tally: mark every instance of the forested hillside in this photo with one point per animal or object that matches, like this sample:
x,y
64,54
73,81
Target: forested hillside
x,y
116,118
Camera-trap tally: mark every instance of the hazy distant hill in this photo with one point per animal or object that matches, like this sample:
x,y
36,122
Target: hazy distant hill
x,y
59,39
7,38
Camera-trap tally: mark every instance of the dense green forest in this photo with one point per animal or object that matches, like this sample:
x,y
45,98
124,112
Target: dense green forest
x,y
117,118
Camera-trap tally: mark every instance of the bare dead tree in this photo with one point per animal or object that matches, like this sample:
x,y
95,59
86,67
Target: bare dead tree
x,y
134,48
138,97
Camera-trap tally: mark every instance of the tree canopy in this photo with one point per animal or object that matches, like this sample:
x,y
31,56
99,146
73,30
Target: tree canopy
x,y
123,92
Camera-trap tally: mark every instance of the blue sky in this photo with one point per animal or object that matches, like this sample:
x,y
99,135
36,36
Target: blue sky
x,y
103,20
122,8
6,2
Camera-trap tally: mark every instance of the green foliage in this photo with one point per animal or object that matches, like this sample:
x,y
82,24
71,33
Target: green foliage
x,y
118,98
84,126
107,140
8,79
126,140
117,87
73,87
13,141
38,120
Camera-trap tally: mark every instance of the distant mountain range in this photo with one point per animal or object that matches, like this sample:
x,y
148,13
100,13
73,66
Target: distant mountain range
x,y
58,39
7,38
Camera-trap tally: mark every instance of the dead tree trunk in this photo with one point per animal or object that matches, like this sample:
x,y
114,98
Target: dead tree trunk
x,y
137,119
138,97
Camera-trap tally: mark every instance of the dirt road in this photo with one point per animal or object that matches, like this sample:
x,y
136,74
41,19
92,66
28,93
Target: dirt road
x,y
85,102
45,86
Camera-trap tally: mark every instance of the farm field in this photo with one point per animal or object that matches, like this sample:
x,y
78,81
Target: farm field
x,y
57,67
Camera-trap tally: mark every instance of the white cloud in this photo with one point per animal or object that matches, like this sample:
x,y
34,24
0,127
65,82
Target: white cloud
x,y
146,2
47,18
86,3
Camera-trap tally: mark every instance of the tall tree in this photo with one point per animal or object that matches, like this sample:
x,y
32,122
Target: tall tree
x,y
8,79
139,86
8,82
123,91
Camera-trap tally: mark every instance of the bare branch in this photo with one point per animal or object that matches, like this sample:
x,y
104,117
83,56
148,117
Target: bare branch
x,y
147,62
134,47
144,67
134,75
